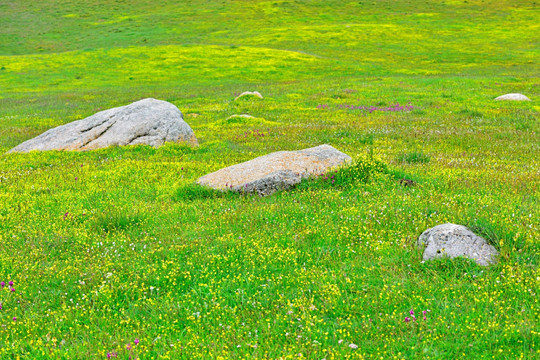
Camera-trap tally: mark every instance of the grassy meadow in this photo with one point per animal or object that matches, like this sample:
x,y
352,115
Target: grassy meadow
x,y
116,254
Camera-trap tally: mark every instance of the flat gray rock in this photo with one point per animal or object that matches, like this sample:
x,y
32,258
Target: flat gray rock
x,y
148,121
276,171
246,116
246,94
450,240
513,97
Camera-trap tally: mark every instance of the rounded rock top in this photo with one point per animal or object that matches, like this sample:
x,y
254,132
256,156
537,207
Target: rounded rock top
x,y
249,94
513,97
451,240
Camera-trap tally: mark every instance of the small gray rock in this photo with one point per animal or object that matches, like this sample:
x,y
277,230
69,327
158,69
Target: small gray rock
x,y
249,94
276,171
450,240
148,121
245,116
513,97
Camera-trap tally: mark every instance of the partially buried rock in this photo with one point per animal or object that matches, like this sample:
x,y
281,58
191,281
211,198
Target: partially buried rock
x,y
450,240
276,171
245,116
513,97
148,121
249,94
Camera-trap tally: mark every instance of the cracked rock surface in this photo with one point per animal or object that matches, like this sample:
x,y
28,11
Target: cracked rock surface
x,y
148,121
276,171
451,240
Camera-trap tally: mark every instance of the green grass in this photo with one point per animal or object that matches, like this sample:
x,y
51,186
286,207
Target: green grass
x,y
414,157
109,246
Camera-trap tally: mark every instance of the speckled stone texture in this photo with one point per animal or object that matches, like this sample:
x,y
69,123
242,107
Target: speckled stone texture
x,y
451,240
148,121
276,171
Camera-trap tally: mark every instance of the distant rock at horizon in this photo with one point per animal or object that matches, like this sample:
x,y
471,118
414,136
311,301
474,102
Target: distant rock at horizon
x,y
513,97
249,94
276,171
148,121
245,116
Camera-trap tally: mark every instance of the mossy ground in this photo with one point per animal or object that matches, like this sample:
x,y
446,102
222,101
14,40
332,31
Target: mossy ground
x,y
113,245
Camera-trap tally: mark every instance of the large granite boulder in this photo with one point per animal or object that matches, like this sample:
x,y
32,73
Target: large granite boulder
x,y
513,97
148,121
276,171
450,240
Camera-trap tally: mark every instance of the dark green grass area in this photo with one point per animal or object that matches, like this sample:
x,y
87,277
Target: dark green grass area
x,y
350,176
115,245
193,192
414,157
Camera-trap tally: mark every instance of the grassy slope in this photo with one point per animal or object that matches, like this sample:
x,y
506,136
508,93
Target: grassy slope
x,y
297,272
